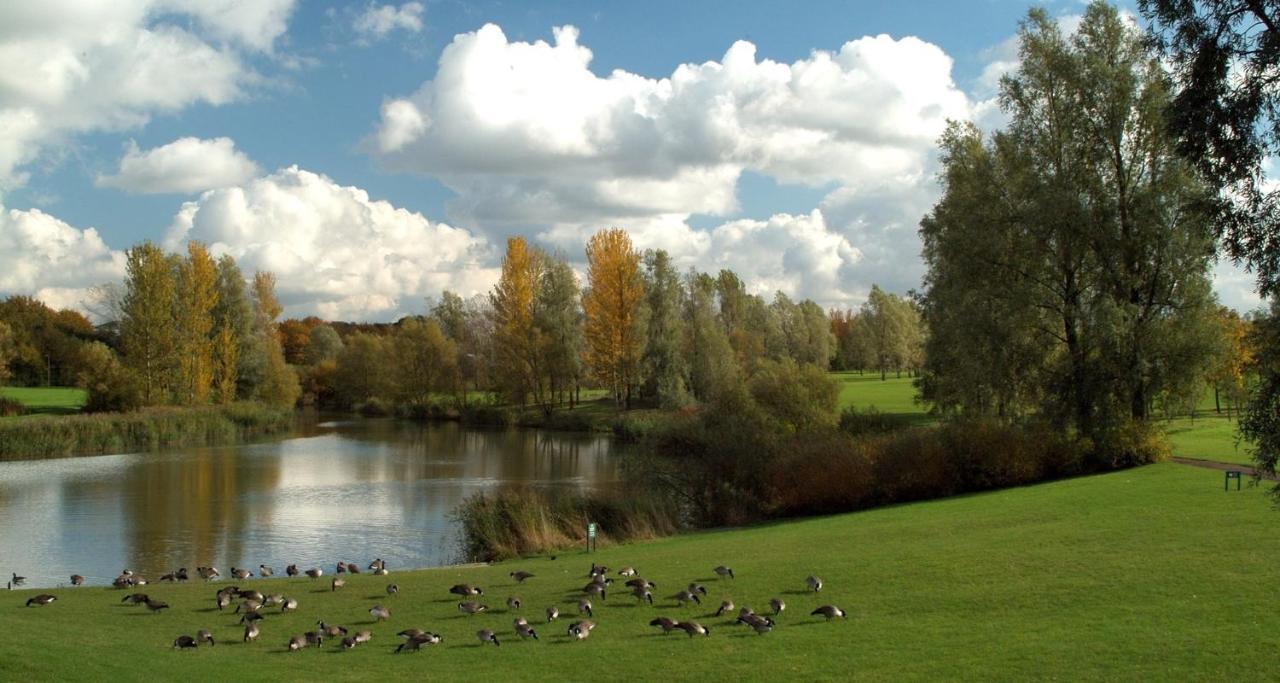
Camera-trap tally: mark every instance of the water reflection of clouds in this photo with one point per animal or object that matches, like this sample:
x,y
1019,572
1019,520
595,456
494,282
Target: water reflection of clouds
x,y
361,489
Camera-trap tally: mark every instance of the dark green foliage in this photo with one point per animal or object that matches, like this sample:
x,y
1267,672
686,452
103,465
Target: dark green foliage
x,y
10,407
870,421
1261,422
111,385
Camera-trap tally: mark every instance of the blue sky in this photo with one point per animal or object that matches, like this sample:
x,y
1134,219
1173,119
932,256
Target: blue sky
x,y
318,139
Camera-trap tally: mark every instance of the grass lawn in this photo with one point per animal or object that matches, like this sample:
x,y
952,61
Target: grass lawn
x,y
895,395
1147,574
47,400
1211,437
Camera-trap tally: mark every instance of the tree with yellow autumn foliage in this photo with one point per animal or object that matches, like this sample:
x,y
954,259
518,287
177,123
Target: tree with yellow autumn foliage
x,y
612,305
197,296
515,335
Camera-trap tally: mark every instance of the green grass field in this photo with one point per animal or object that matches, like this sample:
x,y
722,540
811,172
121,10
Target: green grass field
x,y
47,400
1146,574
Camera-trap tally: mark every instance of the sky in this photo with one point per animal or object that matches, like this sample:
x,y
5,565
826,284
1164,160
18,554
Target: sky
x,y
374,154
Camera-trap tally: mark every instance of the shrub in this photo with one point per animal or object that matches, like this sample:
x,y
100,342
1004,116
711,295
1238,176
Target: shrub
x,y
112,387
10,407
871,421
491,415
374,407
1130,444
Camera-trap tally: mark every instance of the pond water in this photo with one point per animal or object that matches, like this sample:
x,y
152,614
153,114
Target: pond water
x,y
334,491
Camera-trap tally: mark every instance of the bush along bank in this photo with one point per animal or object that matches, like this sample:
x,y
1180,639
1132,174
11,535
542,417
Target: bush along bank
x,y
55,436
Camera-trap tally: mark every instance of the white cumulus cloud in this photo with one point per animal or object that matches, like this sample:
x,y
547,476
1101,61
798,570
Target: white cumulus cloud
x,y
45,257
335,252
184,166
378,20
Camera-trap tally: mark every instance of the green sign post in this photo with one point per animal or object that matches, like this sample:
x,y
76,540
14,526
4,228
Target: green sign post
x,y
591,536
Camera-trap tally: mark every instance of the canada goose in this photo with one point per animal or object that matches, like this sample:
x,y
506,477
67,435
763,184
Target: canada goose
x,y
725,606
123,572
241,574
667,625
315,572
597,569
595,589
223,600
336,584
297,643
552,614
685,596
253,595
392,589
77,580
122,582
581,629
693,628
513,603
341,568
466,589
138,580
363,636
265,571
777,605
418,639
208,573
182,574
410,633
19,580
353,568
314,638
487,636
639,582
601,580
524,630
830,612
348,643
331,630
248,606
155,605
380,613
204,636
723,571
41,600
642,593
288,605
696,587
250,617
627,571
814,583
378,564
520,576
272,600
250,632
183,642
169,578
746,612
381,571
471,607
291,570
135,598
584,607
761,625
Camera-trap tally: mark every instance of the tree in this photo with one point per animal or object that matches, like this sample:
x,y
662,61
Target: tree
x,y
279,382
197,296
426,362
613,326
111,386
1261,421
8,350
323,343
1074,238
465,322
515,336
147,331
363,370
239,363
558,322
713,369
664,365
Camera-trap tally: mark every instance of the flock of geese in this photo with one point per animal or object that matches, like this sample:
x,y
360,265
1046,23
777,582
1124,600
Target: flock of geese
x,y
253,605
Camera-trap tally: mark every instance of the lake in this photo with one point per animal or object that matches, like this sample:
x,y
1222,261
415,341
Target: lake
x,y
349,491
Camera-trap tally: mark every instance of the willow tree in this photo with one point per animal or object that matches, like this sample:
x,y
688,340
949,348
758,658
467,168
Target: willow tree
x,y
1073,241
613,326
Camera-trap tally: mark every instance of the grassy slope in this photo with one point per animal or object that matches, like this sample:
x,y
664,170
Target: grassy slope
x,y
1152,573
47,400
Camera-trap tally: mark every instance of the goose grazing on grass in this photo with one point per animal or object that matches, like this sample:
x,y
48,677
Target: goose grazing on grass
x,y
777,605
169,578
471,607
289,605
363,636
830,612
597,570
250,632
415,642
341,568
265,571
353,568
250,617
183,642
584,607
723,571
814,583
746,612
381,571
378,564
247,606
122,582
581,629
693,628
487,636
204,636
331,630
524,630
627,571
725,606
253,595
336,584
155,606
297,643
596,589
513,603
552,613
315,572
77,580
696,587
135,598
314,638
642,593
272,600
379,613
223,600
348,643
667,625
520,576
291,570
182,574
208,573
685,596
465,589
41,600
761,625
19,580
392,589
241,574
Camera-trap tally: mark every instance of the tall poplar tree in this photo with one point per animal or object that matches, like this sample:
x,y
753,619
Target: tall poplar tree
x,y
194,325
147,331
515,336
613,326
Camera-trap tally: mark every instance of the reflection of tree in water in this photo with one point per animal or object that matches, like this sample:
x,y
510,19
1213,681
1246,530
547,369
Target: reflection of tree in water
x,y
185,510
